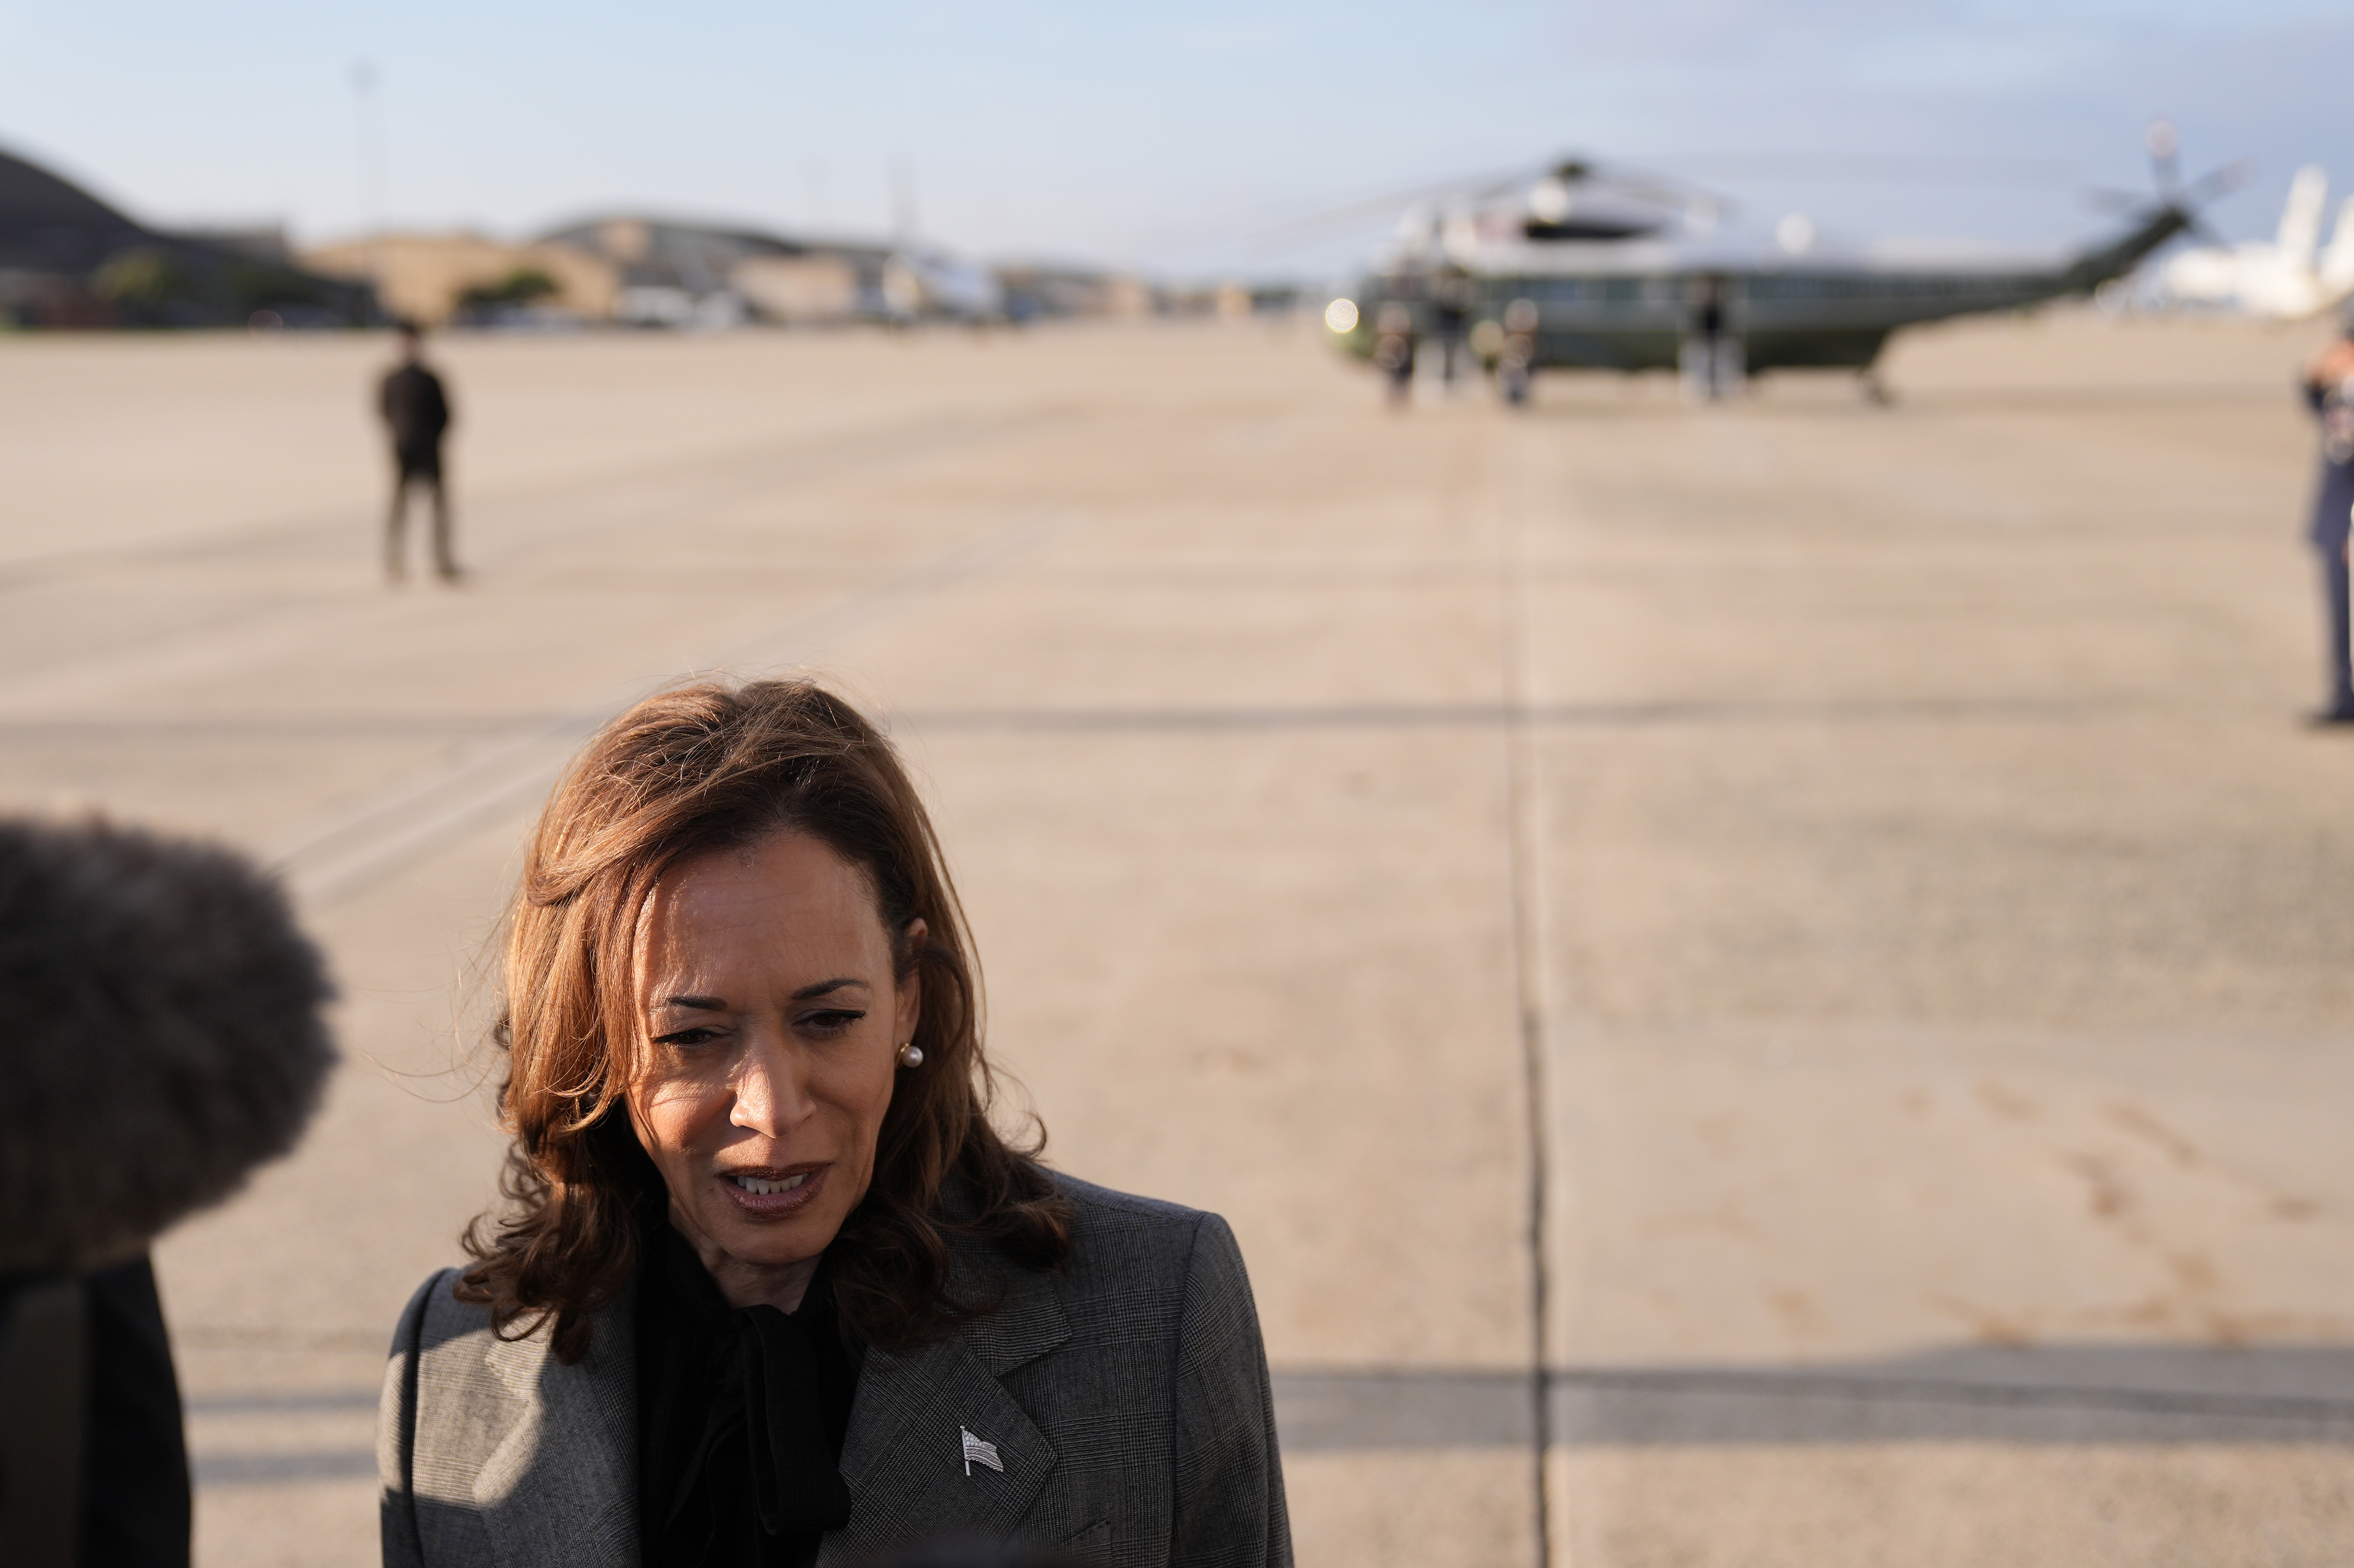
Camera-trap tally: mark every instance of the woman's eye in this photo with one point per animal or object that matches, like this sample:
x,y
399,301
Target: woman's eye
x,y
833,1021
700,1034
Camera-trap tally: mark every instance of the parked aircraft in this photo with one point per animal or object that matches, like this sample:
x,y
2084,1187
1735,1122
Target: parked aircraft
x,y
922,283
2280,277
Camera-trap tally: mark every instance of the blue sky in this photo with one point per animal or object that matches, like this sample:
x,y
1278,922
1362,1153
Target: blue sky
x,y
1171,136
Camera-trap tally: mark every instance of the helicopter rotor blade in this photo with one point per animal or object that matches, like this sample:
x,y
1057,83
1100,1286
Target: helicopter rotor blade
x,y
2216,184
1495,184
1664,189
1877,168
1366,212
2164,157
2108,198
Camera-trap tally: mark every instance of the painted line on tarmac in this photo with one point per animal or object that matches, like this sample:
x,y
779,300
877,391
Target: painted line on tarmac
x,y
356,526
269,1469
1487,715
1525,882
1441,1408
1370,1410
208,729
345,723
279,1402
335,858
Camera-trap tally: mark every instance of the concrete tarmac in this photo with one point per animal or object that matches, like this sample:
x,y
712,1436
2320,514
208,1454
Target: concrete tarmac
x,y
1783,967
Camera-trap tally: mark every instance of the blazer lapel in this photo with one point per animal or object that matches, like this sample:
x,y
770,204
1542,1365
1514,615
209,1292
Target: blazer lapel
x,y
904,1455
560,1484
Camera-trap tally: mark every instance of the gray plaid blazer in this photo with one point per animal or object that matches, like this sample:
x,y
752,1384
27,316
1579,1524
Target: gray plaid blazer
x,y
1126,1397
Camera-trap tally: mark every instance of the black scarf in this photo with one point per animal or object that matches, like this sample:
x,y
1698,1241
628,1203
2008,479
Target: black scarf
x,y
741,1414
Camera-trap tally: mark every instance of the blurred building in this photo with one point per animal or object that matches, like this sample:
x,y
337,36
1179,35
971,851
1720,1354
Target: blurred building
x,y
636,270
435,279
681,274
67,259
815,287
1035,291
685,274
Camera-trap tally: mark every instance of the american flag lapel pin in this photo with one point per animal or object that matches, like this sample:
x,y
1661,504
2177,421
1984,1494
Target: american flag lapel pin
x,y
977,1451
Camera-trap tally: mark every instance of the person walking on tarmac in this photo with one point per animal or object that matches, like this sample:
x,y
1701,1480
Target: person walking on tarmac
x,y
416,410
2329,389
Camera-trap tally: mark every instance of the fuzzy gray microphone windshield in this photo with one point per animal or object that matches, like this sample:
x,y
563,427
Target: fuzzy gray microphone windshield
x,y
163,1035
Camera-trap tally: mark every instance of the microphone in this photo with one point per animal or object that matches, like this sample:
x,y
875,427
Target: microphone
x,y
163,1036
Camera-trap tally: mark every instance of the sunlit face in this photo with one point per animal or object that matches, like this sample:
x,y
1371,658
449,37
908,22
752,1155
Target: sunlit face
x,y
773,1022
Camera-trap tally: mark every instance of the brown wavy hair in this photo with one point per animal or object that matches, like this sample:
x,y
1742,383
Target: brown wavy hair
x,y
699,769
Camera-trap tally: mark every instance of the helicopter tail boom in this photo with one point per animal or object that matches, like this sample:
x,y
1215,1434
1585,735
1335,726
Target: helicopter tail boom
x,y
2090,270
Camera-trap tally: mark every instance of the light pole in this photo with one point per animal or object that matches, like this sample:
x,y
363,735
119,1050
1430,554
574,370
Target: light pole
x,y
371,170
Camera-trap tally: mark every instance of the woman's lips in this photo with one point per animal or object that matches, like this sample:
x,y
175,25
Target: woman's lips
x,y
768,1193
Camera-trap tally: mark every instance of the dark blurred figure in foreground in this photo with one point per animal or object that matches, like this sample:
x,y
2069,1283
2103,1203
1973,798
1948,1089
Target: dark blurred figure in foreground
x,y
418,411
2329,389
164,1036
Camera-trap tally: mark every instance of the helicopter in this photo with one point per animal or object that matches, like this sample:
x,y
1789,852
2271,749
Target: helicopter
x,y
1592,269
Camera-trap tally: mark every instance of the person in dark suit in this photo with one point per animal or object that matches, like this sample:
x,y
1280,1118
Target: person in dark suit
x,y
772,1290
416,408
2329,391
135,1505
93,1462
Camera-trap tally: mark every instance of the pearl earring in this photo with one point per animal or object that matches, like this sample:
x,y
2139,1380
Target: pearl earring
x,y
911,1054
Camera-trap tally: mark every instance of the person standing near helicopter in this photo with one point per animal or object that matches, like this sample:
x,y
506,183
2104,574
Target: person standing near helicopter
x,y
1393,349
2329,389
1516,358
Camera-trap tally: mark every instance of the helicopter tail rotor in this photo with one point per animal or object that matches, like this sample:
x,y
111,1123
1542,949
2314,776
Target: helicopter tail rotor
x,y
2165,146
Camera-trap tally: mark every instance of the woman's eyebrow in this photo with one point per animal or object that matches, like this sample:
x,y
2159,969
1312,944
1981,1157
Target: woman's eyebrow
x,y
719,1004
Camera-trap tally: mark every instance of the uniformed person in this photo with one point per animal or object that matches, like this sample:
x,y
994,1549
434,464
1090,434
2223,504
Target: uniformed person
x,y
1710,357
1516,360
1394,348
1450,317
2329,389
416,411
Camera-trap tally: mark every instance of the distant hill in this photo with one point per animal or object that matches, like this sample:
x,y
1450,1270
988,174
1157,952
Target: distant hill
x,y
67,259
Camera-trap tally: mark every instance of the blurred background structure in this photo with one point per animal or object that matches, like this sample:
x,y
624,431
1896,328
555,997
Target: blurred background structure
x,y
1224,144
67,259
1764,983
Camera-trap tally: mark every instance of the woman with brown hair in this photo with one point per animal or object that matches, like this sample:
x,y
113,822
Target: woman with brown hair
x,y
770,1288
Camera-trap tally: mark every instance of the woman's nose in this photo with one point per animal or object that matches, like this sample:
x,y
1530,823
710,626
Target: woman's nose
x,y
771,1096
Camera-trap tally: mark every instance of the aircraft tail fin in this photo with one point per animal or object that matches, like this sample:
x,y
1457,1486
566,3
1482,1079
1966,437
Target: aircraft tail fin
x,y
2300,223
2337,261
